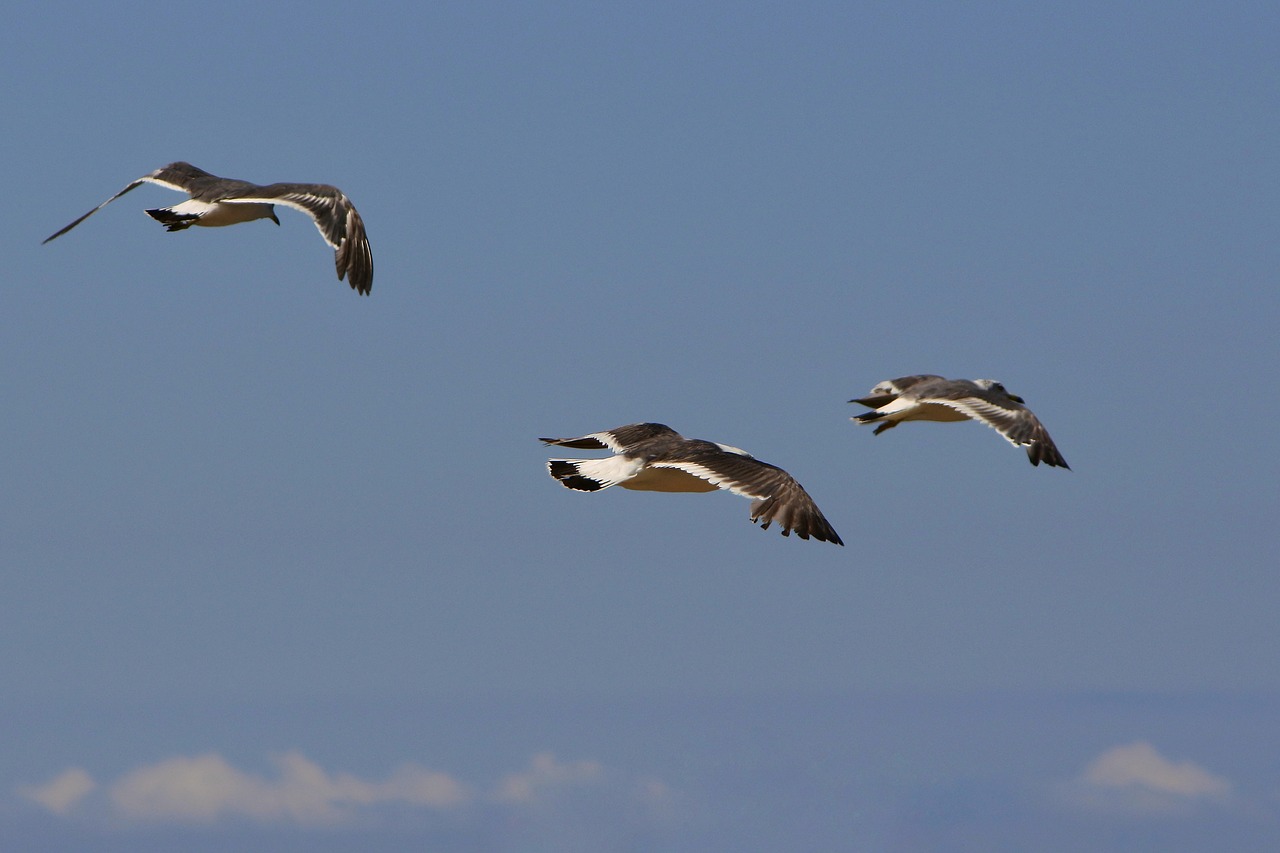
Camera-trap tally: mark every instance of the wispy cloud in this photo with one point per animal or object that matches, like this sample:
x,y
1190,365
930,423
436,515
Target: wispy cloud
x,y
578,805
61,793
545,775
206,789
1136,779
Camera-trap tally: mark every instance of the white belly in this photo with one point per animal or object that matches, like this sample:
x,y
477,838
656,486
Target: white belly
x,y
667,480
932,412
216,215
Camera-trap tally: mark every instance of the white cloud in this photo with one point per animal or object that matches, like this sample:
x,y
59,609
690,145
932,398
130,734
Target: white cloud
x,y
205,788
578,805
655,801
1140,764
1136,779
61,793
543,776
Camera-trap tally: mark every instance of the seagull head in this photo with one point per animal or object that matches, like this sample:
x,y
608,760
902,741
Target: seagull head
x,y
992,385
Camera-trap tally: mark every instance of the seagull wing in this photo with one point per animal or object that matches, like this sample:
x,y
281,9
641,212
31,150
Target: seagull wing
x,y
620,440
890,389
1011,419
335,217
776,494
175,176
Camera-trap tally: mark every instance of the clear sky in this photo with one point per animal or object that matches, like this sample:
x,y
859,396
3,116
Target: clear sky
x,y
282,568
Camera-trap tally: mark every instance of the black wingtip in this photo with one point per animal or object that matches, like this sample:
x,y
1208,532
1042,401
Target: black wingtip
x,y
1037,453
827,535
816,528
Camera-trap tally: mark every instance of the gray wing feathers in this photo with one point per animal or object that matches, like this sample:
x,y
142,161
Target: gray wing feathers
x,y
892,389
587,442
179,176
778,496
1018,424
651,447
624,439
333,213
64,230
335,217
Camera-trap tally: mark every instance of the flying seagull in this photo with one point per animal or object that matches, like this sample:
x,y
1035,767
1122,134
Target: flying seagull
x,y
656,458
225,201
926,397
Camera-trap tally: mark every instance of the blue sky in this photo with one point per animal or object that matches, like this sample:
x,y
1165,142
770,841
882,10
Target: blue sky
x,y
257,530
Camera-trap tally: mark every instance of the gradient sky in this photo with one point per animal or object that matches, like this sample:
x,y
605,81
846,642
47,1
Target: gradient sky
x,y
258,530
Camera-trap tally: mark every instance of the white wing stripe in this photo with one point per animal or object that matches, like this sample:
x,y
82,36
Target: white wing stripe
x,y
737,487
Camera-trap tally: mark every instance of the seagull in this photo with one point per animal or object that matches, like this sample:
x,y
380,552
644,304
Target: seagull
x,y
225,201
656,458
926,397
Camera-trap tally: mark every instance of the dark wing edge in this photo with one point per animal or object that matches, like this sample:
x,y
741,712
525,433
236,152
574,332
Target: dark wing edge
x,y
585,442
777,496
58,234
353,258
335,217
793,509
1015,422
1020,426
175,176
1042,449
897,387
619,439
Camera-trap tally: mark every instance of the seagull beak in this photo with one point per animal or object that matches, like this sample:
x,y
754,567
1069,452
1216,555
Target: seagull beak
x,y
273,216
1015,398
873,402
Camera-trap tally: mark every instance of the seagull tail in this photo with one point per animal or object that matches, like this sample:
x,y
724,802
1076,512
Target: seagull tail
x,y
172,221
587,475
872,417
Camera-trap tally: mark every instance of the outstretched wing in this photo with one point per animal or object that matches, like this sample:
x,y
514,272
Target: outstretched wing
x,y
176,176
1011,419
890,389
335,217
620,440
777,497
